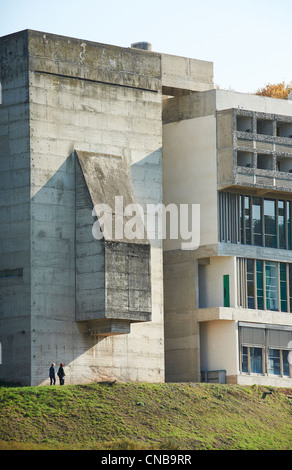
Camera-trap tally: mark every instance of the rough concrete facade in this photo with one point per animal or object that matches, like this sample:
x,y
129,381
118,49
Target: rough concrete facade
x,y
94,305
61,94
82,124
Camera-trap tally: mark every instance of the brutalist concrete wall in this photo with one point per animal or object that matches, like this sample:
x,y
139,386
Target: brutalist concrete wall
x,y
128,286
90,257
96,98
113,274
15,327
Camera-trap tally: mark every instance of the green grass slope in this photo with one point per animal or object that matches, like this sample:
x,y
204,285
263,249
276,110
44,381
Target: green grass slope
x,y
146,416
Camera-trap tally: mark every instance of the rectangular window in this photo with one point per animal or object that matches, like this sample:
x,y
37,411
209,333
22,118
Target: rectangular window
x,y
283,287
252,360
281,224
247,220
264,285
285,355
256,360
270,223
290,285
244,360
256,343
250,283
252,342
260,284
271,275
274,362
255,220
289,244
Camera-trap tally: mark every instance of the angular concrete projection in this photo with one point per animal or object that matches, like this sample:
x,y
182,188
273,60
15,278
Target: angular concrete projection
x,y
113,279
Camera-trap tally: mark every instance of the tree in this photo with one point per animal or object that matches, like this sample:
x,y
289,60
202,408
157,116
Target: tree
x,y
279,90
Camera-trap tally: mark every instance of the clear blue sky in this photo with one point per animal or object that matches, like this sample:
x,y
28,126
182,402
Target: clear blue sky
x,y
249,41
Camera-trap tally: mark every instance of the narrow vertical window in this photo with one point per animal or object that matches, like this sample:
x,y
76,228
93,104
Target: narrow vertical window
x,y
270,223
247,220
281,224
283,287
250,283
289,225
286,362
271,272
290,285
241,214
260,284
257,221
244,360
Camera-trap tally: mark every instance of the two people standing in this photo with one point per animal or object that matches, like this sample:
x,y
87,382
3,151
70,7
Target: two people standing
x,y
60,374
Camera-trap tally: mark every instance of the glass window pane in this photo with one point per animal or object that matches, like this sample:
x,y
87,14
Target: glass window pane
x,y
289,225
260,284
274,362
290,285
271,270
247,219
244,359
250,283
283,287
270,223
285,362
257,221
281,224
256,365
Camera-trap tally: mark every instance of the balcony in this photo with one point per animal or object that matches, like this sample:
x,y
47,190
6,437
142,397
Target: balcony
x,y
258,152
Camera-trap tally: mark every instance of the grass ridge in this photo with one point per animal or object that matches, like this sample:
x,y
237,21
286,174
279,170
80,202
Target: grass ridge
x,y
182,416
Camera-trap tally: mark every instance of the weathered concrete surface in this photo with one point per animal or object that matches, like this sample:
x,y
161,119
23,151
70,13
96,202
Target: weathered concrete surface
x,y
108,183
69,94
113,274
15,248
181,75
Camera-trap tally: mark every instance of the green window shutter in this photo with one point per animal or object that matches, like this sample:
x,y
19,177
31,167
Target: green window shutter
x,y
226,295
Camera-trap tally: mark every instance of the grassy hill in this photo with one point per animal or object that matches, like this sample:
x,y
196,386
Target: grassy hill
x,y
145,417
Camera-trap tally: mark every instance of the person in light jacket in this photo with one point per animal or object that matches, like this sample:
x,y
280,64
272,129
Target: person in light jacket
x,y
61,374
52,374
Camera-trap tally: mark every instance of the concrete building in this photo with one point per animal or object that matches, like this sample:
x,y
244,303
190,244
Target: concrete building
x,y
80,124
85,124
228,304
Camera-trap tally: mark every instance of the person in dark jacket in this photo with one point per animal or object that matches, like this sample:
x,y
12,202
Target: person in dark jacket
x,y
52,374
61,374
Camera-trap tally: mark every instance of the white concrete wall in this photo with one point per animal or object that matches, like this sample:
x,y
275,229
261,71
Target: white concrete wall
x,y
231,99
219,346
190,172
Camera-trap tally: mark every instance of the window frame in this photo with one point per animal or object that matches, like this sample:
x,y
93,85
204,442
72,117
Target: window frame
x,y
240,227
266,348
249,275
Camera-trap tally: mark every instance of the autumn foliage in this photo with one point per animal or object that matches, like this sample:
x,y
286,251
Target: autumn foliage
x,y
280,90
